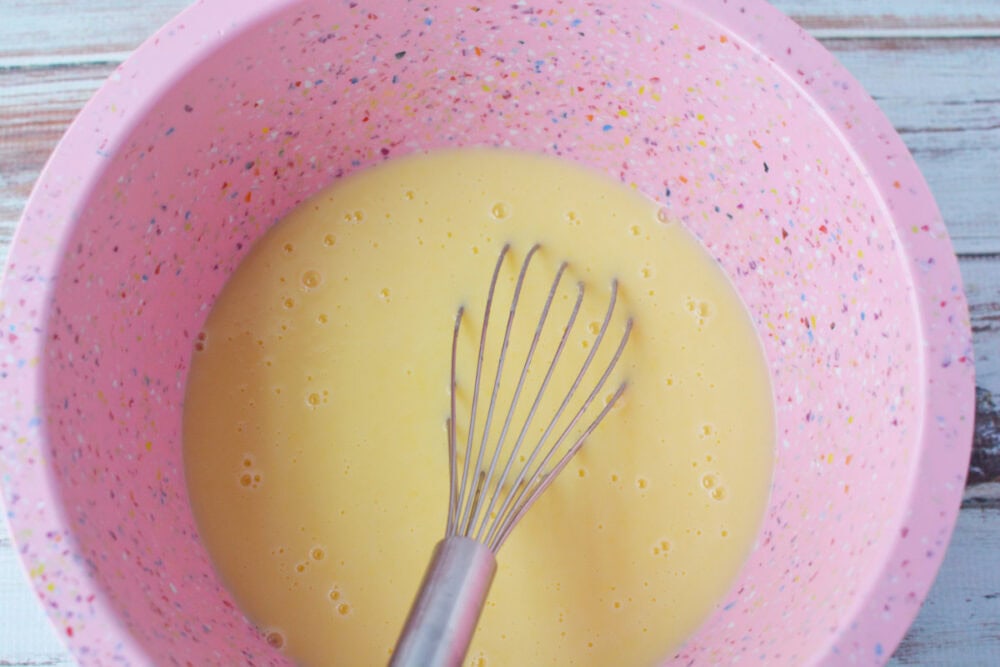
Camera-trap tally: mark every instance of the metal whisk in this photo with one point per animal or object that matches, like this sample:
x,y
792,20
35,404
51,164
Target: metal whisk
x,y
483,509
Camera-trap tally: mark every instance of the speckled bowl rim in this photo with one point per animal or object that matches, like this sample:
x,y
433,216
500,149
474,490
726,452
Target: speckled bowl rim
x,y
206,26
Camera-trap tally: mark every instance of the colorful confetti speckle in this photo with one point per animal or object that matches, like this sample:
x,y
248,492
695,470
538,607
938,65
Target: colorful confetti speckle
x,y
771,154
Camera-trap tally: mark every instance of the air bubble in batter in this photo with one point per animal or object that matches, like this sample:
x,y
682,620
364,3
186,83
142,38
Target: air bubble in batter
x,y
311,279
275,639
500,211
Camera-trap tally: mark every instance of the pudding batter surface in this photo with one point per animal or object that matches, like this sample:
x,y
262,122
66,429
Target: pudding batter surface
x,y
314,426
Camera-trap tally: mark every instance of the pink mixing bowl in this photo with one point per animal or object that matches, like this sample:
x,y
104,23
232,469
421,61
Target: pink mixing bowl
x,y
727,113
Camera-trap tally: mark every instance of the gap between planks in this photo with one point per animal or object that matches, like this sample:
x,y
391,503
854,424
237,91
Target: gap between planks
x,y
56,60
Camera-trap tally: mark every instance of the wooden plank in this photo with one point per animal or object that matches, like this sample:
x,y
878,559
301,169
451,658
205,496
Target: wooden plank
x,y
897,15
948,113
961,616
36,106
23,623
981,275
950,119
948,116
62,31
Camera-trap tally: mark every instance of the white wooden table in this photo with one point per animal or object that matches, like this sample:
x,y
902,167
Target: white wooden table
x,y
933,66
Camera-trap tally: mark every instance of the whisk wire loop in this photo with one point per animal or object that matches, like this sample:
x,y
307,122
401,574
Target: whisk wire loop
x,y
453,494
462,528
527,487
444,613
545,478
477,506
498,486
481,506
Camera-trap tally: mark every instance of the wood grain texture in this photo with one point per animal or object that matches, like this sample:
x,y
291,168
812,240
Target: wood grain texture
x,y
949,118
933,67
959,624
943,97
23,625
860,16
47,31
36,106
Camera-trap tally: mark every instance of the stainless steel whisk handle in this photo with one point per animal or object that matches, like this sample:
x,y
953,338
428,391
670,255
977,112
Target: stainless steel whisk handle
x,y
444,614
487,499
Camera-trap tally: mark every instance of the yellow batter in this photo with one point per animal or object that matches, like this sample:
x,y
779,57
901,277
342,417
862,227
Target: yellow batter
x,y
315,448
